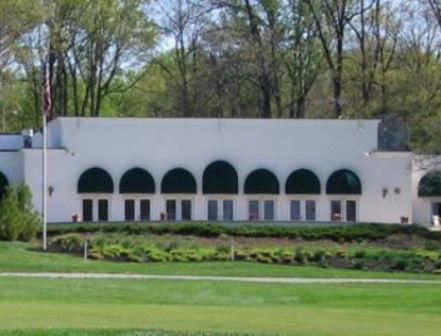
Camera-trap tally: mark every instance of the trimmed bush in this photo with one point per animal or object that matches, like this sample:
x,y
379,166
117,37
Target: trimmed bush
x,y
344,233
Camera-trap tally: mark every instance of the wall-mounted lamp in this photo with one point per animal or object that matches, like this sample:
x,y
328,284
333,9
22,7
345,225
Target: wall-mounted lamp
x,y
384,192
397,190
51,190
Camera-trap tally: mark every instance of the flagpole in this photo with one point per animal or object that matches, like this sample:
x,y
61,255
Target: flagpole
x,y
44,166
44,183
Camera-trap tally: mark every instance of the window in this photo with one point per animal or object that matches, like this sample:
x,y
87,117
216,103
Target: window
x,y
212,210
351,211
253,210
310,210
186,209
170,208
129,210
87,210
268,210
336,211
103,210
295,210
228,210
144,209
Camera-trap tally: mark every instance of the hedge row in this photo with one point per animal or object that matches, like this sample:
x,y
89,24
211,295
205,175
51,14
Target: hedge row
x,y
343,233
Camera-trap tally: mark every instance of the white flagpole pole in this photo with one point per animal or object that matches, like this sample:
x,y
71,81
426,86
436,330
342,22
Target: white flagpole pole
x,y
44,169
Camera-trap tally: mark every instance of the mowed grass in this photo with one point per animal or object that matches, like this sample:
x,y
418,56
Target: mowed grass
x,y
23,257
37,306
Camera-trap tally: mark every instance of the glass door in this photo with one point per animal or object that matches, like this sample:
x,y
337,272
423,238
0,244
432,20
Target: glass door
x,y
87,210
103,210
129,210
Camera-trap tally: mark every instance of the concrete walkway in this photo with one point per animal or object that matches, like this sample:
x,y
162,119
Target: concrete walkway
x,y
274,280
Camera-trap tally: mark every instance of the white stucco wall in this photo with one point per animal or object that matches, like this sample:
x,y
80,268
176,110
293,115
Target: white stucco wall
x,y
10,142
11,165
159,145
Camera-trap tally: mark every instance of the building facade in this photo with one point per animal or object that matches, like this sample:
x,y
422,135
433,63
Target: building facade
x,y
108,169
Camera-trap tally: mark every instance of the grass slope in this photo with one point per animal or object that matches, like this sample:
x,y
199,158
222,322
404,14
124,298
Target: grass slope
x,y
222,307
19,257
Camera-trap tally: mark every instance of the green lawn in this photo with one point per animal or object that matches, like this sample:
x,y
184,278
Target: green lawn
x,y
19,257
61,307
222,307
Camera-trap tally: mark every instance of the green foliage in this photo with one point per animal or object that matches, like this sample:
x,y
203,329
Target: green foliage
x,y
341,234
71,242
18,219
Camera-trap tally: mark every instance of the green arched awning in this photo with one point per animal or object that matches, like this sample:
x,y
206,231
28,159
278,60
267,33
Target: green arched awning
x,y
178,181
95,180
220,177
3,185
343,182
137,181
261,181
430,185
302,181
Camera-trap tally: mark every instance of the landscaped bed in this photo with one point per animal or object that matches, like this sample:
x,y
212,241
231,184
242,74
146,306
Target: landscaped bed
x,y
364,247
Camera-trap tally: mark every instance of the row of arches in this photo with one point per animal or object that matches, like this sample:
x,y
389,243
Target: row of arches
x,y
219,177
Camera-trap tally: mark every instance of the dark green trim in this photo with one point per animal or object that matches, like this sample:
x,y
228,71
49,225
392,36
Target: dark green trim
x,y
4,183
303,181
430,185
95,180
343,182
220,177
178,181
137,181
261,181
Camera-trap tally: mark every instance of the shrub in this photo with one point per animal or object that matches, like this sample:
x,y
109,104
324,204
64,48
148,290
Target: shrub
x,y
358,264
400,264
71,242
113,251
18,219
360,254
318,256
10,217
342,254
300,256
264,259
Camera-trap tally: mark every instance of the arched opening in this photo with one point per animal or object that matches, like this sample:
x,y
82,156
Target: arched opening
x,y
347,185
343,182
137,181
178,181
95,181
261,181
302,181
430,185
3,185
220,177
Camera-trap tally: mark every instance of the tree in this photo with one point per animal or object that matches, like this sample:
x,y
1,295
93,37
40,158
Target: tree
x,y
302,57
332,18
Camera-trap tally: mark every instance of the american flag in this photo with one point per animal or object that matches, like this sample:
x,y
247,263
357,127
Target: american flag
x,y
47,100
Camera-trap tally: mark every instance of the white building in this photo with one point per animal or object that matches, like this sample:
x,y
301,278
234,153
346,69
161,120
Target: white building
x,y
218,169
